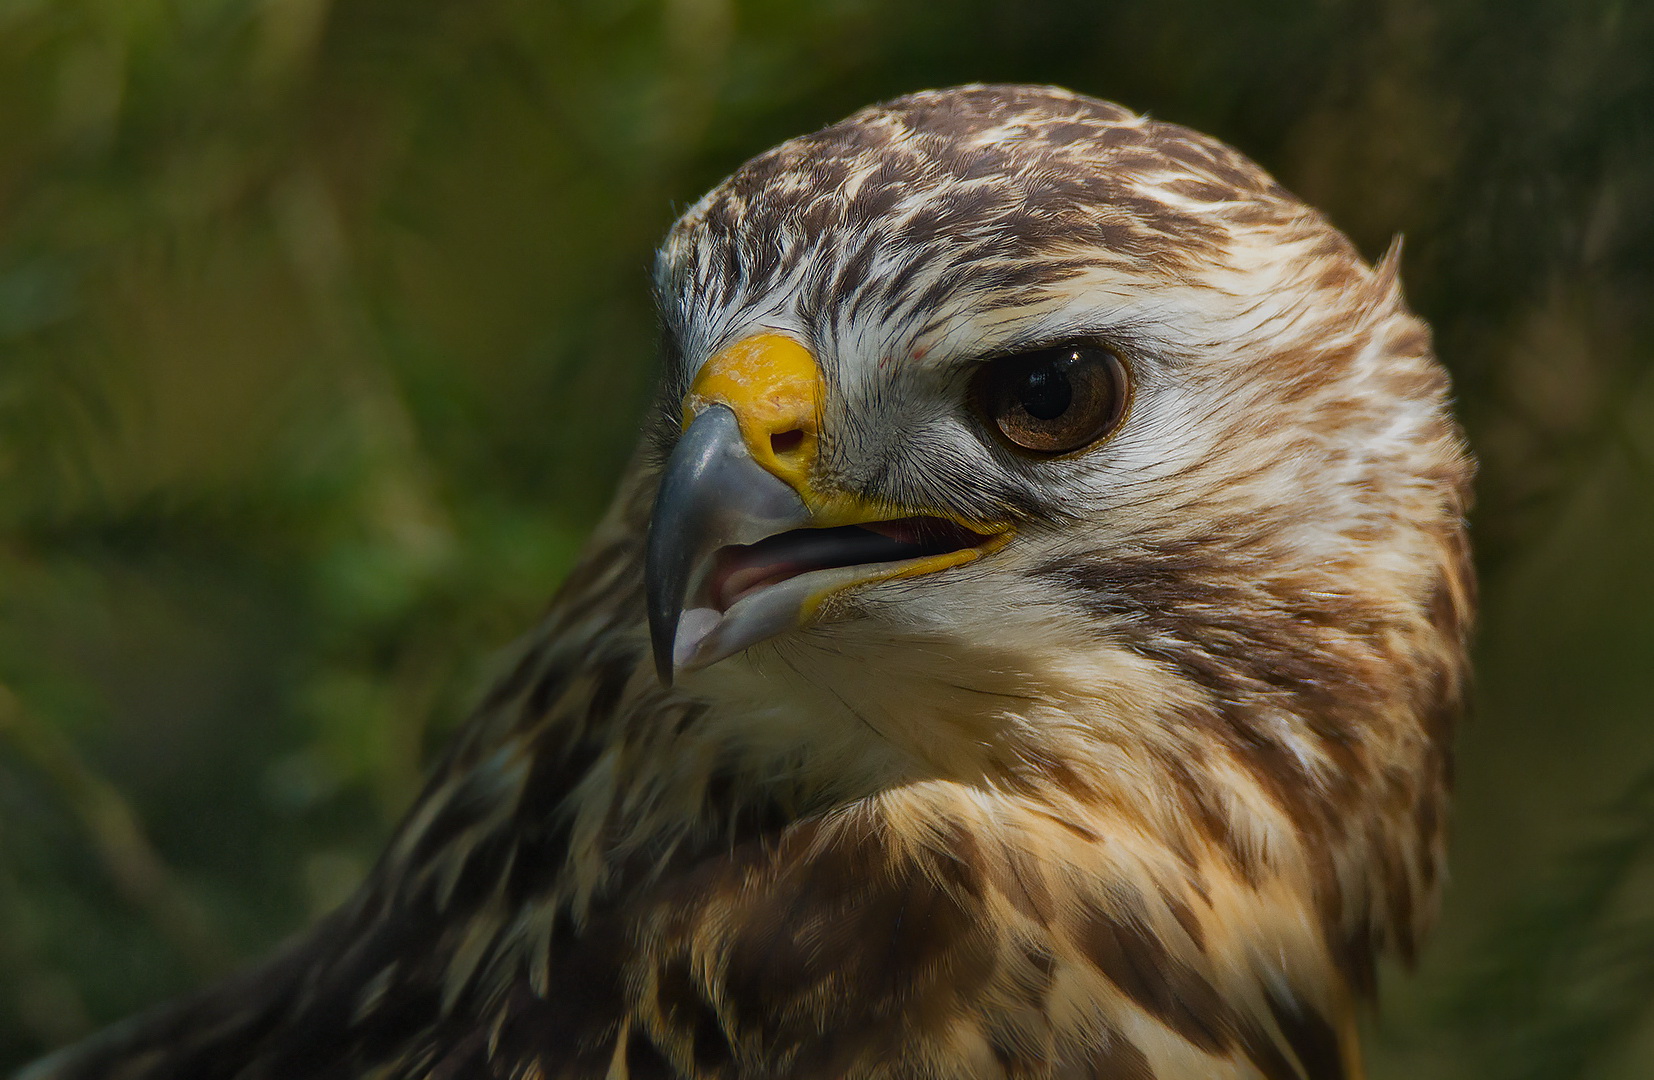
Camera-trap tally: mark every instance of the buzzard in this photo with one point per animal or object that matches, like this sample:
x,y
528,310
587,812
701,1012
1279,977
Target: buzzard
x,y
1025,646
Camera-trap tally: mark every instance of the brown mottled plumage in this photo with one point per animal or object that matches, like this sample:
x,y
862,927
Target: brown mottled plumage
x,y
1141,794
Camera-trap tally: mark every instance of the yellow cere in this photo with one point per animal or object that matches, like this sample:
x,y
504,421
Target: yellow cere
x,y
774,387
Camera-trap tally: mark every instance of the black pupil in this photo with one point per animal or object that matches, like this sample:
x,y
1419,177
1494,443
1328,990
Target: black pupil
x,y
1046,392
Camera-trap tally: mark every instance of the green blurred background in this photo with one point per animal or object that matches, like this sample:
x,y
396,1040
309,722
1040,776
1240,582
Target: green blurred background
x,y
324,330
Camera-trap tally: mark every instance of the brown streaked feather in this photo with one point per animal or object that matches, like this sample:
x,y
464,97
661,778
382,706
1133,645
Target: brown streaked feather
x,y
1143,796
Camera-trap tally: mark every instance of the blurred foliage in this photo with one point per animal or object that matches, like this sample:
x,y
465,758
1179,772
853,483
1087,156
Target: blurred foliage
x,y
325,328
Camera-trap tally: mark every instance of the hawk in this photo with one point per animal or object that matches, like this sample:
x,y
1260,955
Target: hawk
x,y
1025,646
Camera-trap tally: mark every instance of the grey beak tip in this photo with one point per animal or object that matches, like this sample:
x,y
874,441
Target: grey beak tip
x,y
663,616
711,494
663,666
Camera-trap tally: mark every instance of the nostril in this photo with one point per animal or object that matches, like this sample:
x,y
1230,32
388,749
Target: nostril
x,y
785,442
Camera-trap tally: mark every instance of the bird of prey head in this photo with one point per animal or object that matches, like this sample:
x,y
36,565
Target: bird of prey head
x,y
1025,647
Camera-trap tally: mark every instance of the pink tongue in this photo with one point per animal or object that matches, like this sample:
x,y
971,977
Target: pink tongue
x,y
731,580
740,570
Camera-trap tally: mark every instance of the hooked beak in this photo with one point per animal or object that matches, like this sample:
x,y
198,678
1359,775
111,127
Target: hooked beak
x,y
742,546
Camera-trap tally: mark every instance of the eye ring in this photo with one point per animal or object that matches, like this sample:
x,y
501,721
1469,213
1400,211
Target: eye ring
x,y
1055,401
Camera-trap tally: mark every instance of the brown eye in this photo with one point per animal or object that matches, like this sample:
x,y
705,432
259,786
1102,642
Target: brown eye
x,y
1056,400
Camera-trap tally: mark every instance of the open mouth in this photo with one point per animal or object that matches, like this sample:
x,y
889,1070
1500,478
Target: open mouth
x,y
733,560
740,570
750,592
